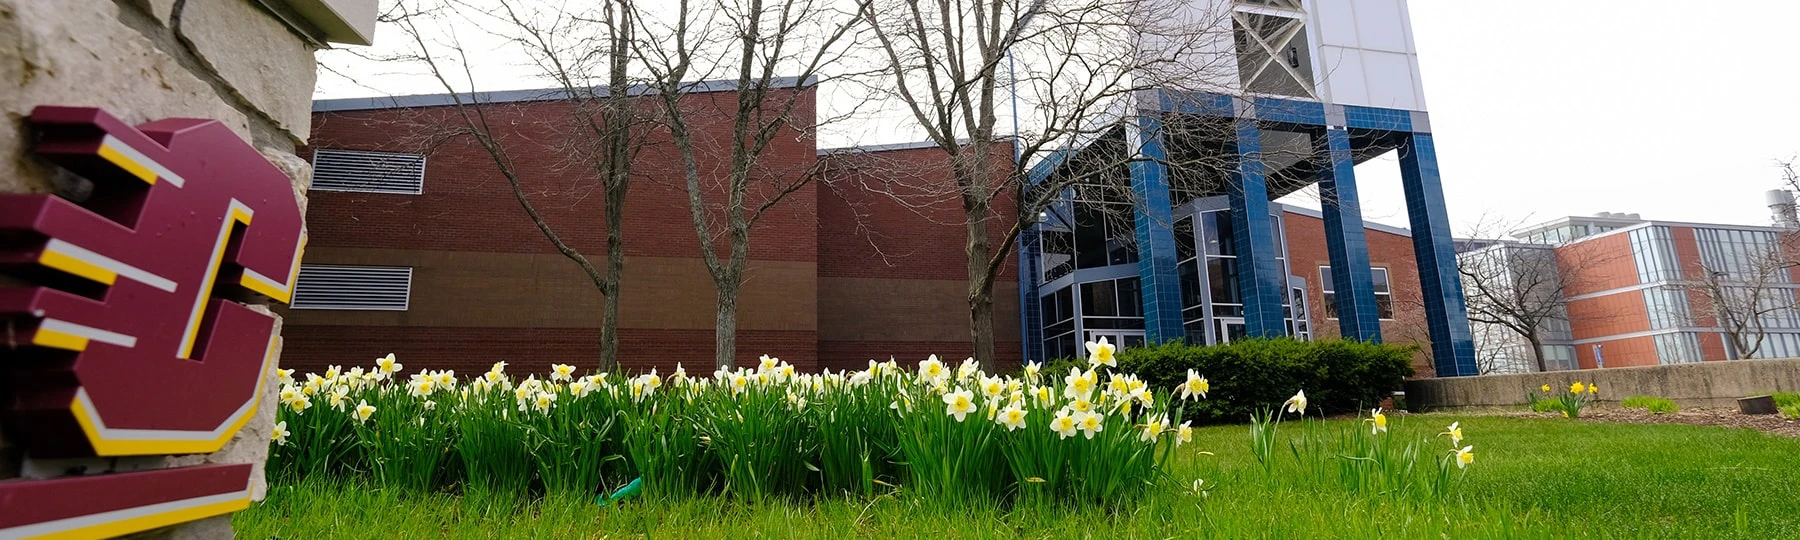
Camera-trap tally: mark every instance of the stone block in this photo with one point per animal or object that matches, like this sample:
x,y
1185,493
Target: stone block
x,y
262,62
1757,405
79,54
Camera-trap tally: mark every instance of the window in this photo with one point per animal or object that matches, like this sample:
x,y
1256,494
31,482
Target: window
x,y
364,288
1384,295
1058,247
1112,304
1654,251
1104,235
373,172
1059,323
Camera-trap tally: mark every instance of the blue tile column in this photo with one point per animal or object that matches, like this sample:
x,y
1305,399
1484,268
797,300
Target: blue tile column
x,y
1452,346
1352,284
1153,219
1260,280
1031,328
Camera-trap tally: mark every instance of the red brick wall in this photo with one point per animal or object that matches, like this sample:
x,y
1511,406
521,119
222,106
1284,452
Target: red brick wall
x,y
1613,314
1307,252
1623,352
1598,264
889,235
467,205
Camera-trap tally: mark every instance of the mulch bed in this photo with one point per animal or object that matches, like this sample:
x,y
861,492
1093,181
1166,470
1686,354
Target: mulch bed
x,y
1700,416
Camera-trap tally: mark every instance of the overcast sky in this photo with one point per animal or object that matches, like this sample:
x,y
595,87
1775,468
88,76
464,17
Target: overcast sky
x,y
1545,108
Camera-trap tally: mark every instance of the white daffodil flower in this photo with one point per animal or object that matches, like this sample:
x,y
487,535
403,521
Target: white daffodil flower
x,y
959,403
1100,353
1296,404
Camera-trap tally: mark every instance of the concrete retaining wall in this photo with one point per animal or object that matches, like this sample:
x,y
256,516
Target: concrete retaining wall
x,y
1703,384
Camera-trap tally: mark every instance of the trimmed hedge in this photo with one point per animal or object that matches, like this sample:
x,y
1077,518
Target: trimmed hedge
x,y
1248,375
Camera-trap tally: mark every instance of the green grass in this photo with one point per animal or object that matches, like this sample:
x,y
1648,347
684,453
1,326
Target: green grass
x,y
1654,405
1533,478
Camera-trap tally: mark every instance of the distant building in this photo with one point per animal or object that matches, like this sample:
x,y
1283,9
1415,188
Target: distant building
x,y
1636,292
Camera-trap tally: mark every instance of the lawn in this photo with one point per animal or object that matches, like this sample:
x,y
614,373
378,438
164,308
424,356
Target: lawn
x,y
1532,478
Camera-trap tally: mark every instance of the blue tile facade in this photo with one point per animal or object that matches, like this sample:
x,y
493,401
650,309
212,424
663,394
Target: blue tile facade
x,y
1031,320
1452,346
1261,281
1352,284
1381,119
1308,113
1157,278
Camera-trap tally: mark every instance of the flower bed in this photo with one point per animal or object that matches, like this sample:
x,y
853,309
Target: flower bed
x,y
1091,435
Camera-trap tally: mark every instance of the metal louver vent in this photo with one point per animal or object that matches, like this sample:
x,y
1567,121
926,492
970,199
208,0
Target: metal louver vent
x,y
374,172
368,288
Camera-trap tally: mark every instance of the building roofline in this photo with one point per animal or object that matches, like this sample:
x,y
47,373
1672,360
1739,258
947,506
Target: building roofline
x,y
896,147
1649,223
520,96
1390,229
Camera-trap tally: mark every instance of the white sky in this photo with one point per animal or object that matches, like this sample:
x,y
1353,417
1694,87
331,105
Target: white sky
x,y
1540,108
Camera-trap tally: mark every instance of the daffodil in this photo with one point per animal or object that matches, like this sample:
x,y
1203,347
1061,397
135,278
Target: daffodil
x,y
562,372
387,364
1465,456
332,372
1153,426
1593,389
286,376
290,393
1065,424
679,376
959,403
1546,388
931,369
363,411
1195,387
300,404
1012,417
992,386
280,434
1184,433
1296,404
1378,421
1101,354
1455,433
421,387
1032,370
1078,384
1577,388
1044,396
580,388
430,405
544,401
968,369
1090,423
338,396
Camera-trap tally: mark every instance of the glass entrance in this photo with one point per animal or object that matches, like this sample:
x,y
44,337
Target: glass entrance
x,y
1230,329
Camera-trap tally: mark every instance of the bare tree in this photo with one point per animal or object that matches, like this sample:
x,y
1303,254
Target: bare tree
x,y
1747,290
773,52
1084,62
1522,288
587,53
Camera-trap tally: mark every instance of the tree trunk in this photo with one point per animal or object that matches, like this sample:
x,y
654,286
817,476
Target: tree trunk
x,y
725,326
1537,351
978,251
615,270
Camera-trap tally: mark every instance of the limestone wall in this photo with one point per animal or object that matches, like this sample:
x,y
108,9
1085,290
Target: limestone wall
x,y
1701,384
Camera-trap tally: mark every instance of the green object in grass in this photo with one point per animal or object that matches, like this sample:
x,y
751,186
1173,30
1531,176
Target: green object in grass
x,y
630,490
1654,405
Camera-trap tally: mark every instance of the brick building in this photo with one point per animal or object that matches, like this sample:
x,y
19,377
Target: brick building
x,y
1636,292
419,248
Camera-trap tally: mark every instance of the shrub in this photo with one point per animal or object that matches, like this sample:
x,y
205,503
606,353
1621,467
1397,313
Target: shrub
x,y
1786,399
1655,405
1791,412
1338,376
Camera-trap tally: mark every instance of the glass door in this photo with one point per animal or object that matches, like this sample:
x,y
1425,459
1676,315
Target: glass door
x,y
1230,329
